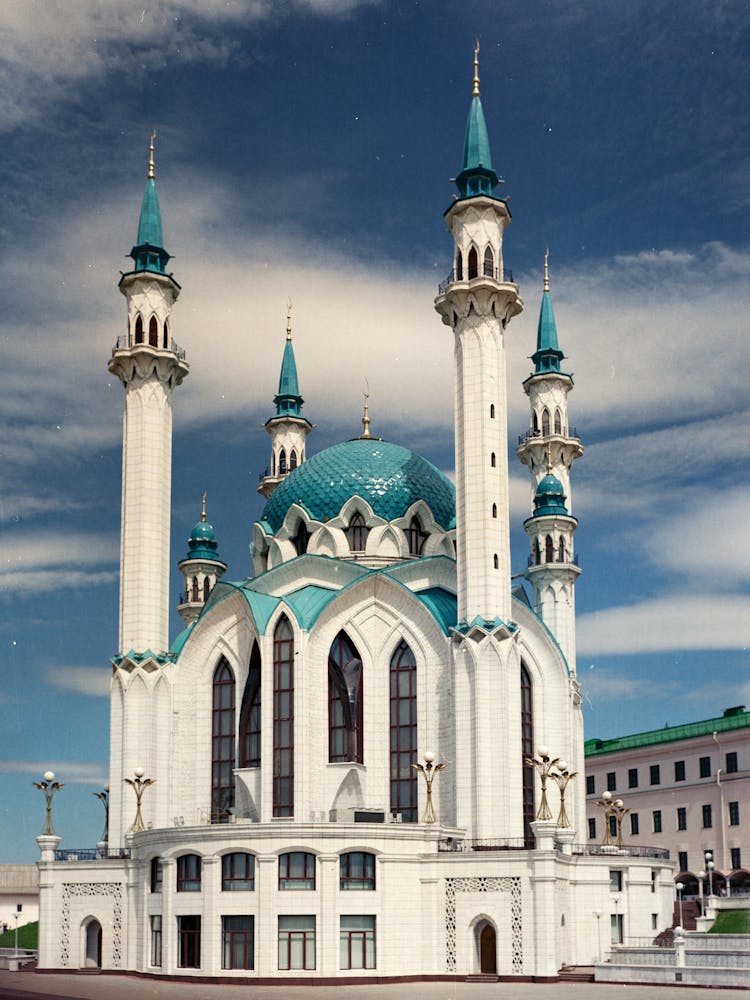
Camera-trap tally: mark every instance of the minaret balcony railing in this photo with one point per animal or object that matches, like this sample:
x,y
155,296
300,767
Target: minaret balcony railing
x,y
538,435
558,559
125,342
504,275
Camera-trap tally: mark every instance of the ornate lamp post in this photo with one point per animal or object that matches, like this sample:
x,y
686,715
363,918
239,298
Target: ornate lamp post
x,y
429,772
544,765
680,887
619,812
562,776
701,876
710,868
49,786
606,803
103,797
139,786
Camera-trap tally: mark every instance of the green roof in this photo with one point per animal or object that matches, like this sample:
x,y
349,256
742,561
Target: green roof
x,y
477,176
733,718
547,356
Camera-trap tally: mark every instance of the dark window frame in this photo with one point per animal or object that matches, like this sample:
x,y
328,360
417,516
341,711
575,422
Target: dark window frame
x,y
357,871
290,878
189,873
403,733
238,872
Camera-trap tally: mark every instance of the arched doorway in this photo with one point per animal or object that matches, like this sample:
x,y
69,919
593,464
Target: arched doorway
x,y
92,957
488,950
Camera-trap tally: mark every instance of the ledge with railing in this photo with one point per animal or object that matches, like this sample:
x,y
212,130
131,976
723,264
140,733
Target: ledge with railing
x,y
538,435
125,342
566,559
454,844
658,853
505,276
92,854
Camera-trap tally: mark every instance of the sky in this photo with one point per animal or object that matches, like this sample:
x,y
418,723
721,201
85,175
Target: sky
x,y
304,151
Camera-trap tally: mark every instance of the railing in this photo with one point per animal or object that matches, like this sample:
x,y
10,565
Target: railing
x,y
124,343
533,561
92,854
661,853
506,276
495,844
523,438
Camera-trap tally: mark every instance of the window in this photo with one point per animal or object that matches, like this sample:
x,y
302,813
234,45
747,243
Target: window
x,y
165,338
459,266
238,935
156,939
153,332
653,879
297,870
549,549
357,942
679,770
139,329
283,719
292,460
655,774
282,462
403,733
634,824
189,873
222,744
654,921
731,762
415,537
297,942
682,861
237,872
492,411
189,942
156,874
493,460
301,539
356,533
616,923
592,828
561,550
590,784
249,755
527,750
632,777
344,701
545,422
494,510
615,880
611,781
489,272
194,591
707,817
656,820
558,422
704,767
734,814
357,870
206,588
681,818
473,263
736,858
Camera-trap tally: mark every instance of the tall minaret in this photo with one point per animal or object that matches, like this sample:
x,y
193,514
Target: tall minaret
x,y
149,364
549,450
288,429
478,300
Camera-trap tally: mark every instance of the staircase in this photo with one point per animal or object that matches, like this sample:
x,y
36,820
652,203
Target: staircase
x,y
576,974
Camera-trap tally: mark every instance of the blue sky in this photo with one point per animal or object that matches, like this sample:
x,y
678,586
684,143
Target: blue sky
x,y
304,151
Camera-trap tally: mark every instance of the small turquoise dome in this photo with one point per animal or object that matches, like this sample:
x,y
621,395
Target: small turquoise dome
x,y
549,497
202,543
390,478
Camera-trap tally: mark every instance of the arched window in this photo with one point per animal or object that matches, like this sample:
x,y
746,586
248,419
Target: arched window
x,y
537,552
549,549
403,733
561,550
206,588
492,411
356,533
459,266
558,422
473,263
153,332
415,537
495,562
222,744
527,750
238,872
165,340
194,591
494,510
293,460
138,329
545,421
534,422
489,262
493,460
250,714
344,701
282,462
283,719
301,539
357,870
157,874
189,873
297,870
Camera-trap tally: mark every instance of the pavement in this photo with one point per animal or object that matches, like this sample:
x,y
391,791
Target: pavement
x,y
28,985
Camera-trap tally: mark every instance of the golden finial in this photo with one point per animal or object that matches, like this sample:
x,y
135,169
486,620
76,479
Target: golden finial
x,y
546,270
475,92
289,319
203,507
549,459
366,415
151,156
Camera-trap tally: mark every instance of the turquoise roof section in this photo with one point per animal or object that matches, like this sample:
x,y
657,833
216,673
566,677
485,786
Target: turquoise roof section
x,y
149,253
202,543
308,602
549,497
442,605
548,355
477,176
733,718
390,478
180,641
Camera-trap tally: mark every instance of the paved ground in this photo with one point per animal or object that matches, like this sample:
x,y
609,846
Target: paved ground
x,y
32,986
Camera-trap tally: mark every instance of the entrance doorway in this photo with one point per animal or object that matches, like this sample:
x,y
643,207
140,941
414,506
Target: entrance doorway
x,y
488,950
93,954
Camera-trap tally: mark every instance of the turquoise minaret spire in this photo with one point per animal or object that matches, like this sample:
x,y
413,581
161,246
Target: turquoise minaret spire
x,y
547,356
288,400
477,175
149,253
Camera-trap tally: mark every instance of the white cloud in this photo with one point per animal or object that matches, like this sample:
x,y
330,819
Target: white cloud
x,y
677,622
39,562
93,681
605,685
68,772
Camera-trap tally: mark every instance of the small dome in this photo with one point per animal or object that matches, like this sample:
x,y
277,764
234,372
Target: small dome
x,y
202,543
390,478
549,497
203,532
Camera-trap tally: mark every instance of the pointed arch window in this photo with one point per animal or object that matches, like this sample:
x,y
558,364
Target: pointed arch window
x,y
301,539
415,537
165,341
459,266
558,422
494,510
194,591
549,549
534,422
493,460
283,719
282,462
403,733
527,750
492,411
537,552
495,562
139,329
561,557
473,263
293,460
222,743
356,533
206,588
489,262
344,701
249,755
153,332
545,421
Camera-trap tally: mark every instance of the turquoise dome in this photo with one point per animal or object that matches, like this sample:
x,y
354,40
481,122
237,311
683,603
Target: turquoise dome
x,y
390,478
549,497
202,543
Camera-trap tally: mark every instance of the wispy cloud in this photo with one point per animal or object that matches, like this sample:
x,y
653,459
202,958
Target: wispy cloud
x,y
69,772
92,681
35,563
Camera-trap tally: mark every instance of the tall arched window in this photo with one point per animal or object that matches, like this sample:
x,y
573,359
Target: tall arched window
x,y
301,539
545,421
527,750
415,537
473,263
138,329
459,266
153,332
494,510
356,533
549,549
495,562
489,262
558,422
293,460
403,733
250,714
344,701
283,719
222,743
537,552
165,340
194,591
282,462
534,422
493,460
561,550
206,588
492,411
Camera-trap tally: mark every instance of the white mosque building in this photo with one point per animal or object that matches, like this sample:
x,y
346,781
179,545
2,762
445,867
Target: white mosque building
x,y
283,831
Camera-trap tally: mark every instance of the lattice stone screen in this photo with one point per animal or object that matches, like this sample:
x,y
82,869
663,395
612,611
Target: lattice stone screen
x,y
113,889
484,884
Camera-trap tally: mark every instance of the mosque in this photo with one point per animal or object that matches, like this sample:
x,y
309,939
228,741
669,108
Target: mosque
x,y
365,762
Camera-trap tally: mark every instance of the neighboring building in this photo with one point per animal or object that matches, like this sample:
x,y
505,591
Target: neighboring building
x,y
288,834
687,788
19,887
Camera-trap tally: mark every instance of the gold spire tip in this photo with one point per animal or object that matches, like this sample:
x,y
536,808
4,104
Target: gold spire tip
x,y
549,459
289,319
151,156
475,91
546,270
366,415
203,507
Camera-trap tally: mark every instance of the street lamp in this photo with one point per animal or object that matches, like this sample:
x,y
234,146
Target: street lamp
x,y
710,869
49,786
139,786
103,797
679,887
562,776
544,764
701,876
429,772
609,807
598,915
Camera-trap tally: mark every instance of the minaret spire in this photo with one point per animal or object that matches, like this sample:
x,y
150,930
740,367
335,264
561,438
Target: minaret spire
x,y
151,174
475,91
366,416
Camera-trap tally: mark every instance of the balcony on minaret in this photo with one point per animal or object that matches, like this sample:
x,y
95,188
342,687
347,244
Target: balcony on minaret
x,y
127,343
470,276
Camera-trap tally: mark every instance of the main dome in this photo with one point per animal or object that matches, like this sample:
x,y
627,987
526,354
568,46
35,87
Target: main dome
x,y
390,478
